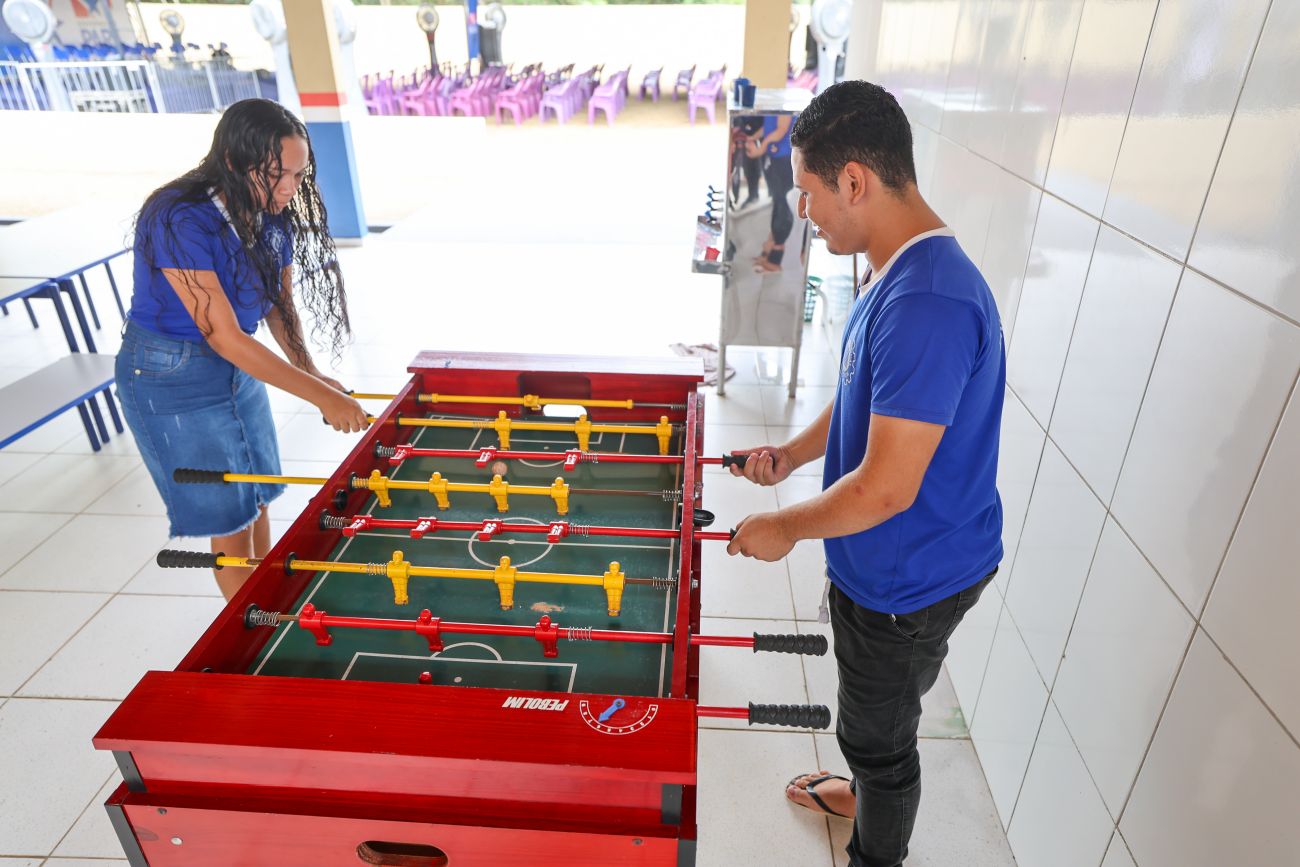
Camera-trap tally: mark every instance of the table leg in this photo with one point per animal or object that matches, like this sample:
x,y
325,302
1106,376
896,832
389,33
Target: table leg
x,y
90,302
52,293
112,408
31,314
67,286
117,296
99,418
90,430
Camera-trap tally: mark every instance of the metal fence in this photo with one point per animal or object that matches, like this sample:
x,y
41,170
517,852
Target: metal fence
x,y
124,86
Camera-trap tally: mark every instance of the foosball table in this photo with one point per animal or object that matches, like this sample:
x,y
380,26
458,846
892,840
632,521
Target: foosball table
x,y
478,645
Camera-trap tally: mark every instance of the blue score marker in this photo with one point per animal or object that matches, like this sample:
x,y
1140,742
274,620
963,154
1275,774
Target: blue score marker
x,y
614,708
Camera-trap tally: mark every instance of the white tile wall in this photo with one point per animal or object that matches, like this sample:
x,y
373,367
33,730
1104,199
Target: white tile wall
x,y
1125,647
1191,76
1250,612
1202,431
1150,302
1052,562
1060,820
1121,320
1040,85
1247,241
1108,54
1007,716
1221,771
1054,279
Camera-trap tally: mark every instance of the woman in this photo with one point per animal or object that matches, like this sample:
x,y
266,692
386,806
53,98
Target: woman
x,y
215,252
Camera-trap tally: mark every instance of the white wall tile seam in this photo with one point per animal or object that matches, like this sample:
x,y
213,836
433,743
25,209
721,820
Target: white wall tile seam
x,y
1127,234
1173,299
18,689
975,705
1249,493
1160,720
1294,736
1047,162
1042,717
1097,789
1128,114
1232,118
1073,325
1037,467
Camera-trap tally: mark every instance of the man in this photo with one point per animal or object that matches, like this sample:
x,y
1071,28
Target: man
x,y
909,511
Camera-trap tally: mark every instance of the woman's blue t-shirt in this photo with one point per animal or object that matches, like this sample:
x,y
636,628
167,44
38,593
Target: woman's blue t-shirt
x,y
196,236
923,343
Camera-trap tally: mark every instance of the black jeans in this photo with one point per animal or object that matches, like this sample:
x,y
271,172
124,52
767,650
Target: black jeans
x,y
886,663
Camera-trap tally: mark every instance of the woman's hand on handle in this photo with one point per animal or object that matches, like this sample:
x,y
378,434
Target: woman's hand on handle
x,y
342,412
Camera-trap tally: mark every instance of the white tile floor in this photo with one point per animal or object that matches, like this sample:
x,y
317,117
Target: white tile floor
x,y
74,639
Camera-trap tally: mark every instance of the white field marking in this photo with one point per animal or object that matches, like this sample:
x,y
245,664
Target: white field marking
x,y
572,666
435,537
321,581
477,559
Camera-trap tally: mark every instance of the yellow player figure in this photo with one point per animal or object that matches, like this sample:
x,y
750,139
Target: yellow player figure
x,y
582,427
614,588
502,427
438,487
398,571
500,491
560,494
504,576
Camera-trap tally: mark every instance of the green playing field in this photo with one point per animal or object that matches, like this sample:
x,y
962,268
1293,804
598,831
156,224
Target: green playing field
x,y
493,661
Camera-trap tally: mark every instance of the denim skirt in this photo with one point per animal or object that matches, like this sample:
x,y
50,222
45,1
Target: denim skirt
x,y
189,407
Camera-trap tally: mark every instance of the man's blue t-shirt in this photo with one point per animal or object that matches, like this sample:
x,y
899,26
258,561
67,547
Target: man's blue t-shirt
x,y
197,236
924,342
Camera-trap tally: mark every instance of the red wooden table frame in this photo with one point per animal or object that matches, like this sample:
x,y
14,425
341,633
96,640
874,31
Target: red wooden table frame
x,y
222,768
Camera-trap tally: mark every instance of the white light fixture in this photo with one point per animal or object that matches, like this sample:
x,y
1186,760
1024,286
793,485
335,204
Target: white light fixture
x,y
830,27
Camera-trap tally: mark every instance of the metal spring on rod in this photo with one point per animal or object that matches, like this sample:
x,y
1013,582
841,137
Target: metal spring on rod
x,y
257,617
671,496
659,583
377,569
333,522
579,530
580,633
385,451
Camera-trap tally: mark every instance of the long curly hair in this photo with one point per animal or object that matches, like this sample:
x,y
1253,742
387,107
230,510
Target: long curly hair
x,y
241,167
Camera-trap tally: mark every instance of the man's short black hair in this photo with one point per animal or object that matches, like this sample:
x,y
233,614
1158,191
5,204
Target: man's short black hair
x,y
856,121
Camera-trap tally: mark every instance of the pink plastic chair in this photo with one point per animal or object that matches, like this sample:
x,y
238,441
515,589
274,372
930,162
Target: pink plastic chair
x,y
704,94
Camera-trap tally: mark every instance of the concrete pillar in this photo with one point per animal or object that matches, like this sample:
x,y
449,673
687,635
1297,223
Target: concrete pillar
x,y
314,48
767,42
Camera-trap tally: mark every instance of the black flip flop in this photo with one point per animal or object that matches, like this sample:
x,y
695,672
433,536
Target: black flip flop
x,y
816,781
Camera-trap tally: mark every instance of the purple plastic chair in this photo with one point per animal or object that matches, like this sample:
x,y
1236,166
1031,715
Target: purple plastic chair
x,y
683,83
650,84
704,94
610,97
522,100
560,100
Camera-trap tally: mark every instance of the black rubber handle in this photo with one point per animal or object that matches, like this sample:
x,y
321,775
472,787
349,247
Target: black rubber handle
x,y
803,716
198,477
169,559
737,460
808,645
